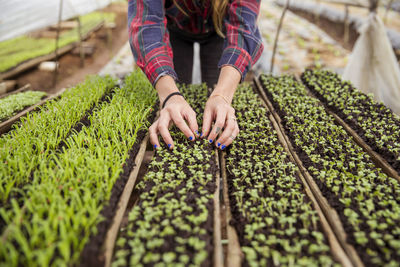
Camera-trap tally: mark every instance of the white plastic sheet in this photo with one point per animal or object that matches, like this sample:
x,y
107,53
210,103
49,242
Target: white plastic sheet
x,y
336,16
373,67
18,17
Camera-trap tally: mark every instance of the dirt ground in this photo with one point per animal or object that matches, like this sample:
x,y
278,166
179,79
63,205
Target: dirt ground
x,y
70,70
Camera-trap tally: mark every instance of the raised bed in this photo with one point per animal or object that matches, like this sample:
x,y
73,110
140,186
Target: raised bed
x,y
175,221
373,122
22,53
274,213
12,104
365,199
61,214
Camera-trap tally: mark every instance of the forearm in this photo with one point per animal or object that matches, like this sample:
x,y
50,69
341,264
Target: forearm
x,y
228,81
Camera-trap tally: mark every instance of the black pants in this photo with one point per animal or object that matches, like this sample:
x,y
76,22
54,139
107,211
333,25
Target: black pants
x,y
211,47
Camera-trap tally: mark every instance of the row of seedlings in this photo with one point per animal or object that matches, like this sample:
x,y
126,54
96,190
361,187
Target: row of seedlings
x,y
376,124
172,222
65,209
366,199
275,220
12,104
31,141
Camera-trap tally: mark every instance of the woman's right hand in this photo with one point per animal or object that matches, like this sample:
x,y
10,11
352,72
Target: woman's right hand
x,y
176,111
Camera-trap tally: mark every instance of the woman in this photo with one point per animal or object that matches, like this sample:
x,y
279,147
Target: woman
x,y
230,44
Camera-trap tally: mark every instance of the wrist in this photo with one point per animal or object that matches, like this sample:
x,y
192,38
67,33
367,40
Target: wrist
x,y
165,86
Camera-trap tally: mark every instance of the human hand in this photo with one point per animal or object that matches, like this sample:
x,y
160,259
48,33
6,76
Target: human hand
x,y
219,110
176,111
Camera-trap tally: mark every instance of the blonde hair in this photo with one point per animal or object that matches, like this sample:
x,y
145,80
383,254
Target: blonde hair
x,y
218,13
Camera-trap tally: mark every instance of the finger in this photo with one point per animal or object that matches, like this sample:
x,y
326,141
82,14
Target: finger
x,y
153,135
219,124
230,127
207,120
190,117
228,141
181,124
163,129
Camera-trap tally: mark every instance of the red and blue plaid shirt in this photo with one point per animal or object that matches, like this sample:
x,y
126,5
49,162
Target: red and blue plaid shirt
x,y
149,38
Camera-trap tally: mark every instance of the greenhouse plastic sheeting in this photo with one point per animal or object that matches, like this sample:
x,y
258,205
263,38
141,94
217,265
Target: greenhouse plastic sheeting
x,y
373,67
337,16
18,17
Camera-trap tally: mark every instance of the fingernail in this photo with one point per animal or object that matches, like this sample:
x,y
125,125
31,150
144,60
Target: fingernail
x,y
169,145
191,138
201,135
197,132
155,146
219,144
223,147
210,141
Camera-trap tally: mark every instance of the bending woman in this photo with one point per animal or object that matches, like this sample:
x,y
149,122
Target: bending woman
x,y
162,34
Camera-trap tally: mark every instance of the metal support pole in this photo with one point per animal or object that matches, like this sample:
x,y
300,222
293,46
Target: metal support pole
x,y
277,36
81,51
346,25
57,39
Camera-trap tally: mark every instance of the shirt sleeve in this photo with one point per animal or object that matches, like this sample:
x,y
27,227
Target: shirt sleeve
x,y
149,38
243,44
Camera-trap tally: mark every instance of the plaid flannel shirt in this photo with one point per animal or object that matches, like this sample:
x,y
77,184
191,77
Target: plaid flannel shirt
x,y
149,37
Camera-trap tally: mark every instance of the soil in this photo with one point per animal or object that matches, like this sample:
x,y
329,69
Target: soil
x,y
70,71
92,254
332,28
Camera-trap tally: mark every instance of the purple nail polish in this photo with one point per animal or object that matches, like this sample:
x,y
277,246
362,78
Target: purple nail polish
x,y
210,141
169,145
223,147
219,144
155,146
191,138
201,135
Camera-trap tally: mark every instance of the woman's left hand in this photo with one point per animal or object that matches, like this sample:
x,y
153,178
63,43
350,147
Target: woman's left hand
x,y
218,110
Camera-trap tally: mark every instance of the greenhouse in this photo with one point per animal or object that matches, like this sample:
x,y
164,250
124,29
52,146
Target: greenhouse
x,y
218,133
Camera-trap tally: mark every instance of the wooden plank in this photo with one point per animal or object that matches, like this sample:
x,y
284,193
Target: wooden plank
x,y
113,231
218,251
235,255
329,213
379,161
6,125
20,90
36,61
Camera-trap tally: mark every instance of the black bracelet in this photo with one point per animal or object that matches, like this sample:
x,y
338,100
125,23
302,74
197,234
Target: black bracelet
x,y
169,96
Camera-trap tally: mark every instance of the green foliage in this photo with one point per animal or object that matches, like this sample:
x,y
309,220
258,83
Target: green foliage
x,y
344,172
60,206
280,226
170,223
20,49
10,105
39,133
